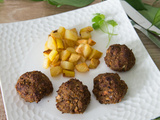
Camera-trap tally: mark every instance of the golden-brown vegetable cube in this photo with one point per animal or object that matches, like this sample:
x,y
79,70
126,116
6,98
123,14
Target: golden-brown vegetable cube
x,y
46,45
56,61
55,71
71,49
85,35
67,65
82,67
61,31
67,73
79,48
74,57
95,54
51,43
74,30
87,50
85,32
94,63
64,55
59,44
86,29
70,43
46,52
91,42
82,58
46,63
82,41
55,34
52,55
70,35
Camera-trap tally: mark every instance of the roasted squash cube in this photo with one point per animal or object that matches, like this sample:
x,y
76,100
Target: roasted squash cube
x,y
55,71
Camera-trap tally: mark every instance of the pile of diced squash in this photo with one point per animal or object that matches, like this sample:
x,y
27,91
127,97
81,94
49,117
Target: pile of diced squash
x,y
66,50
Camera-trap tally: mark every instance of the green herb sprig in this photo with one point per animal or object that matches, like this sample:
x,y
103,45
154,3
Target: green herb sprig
x,y
107,26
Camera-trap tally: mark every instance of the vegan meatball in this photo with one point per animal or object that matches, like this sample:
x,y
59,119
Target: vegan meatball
x,y
73,97
33,86
119,58
108,88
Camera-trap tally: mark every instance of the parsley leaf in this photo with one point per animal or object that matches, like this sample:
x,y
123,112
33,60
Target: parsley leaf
x,y
106,26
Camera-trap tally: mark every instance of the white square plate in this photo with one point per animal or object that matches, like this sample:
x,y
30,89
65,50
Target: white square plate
x,y
22,44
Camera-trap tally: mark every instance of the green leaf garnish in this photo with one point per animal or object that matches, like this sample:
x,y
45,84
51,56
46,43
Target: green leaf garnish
x,y
112,22
52,2
158,118
76,3
137,4
106,26
1,1
156,18
154,32
150,13
37,0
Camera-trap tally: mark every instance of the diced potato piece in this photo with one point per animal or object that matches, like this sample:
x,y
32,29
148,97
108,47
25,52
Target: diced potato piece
x,y
59,44
70,43
64,43
52,55
46,45
75,63
58,63
64,55
55,34
95,54
85,35
51,43
70,35
67,65
61,31
79,48
87,50
94,63
91,42
82,58
82,41
82,67
71,50
55,71
67,73
46,63
74,57
55,61
86,29
74,30
46,52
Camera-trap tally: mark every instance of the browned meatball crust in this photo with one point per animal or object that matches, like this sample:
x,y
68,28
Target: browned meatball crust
x,y
119,58
73,97
33,86
108,88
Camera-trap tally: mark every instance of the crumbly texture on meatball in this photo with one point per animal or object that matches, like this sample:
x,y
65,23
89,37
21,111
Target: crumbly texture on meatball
x,y
33,86
73,97
108,88
119,58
